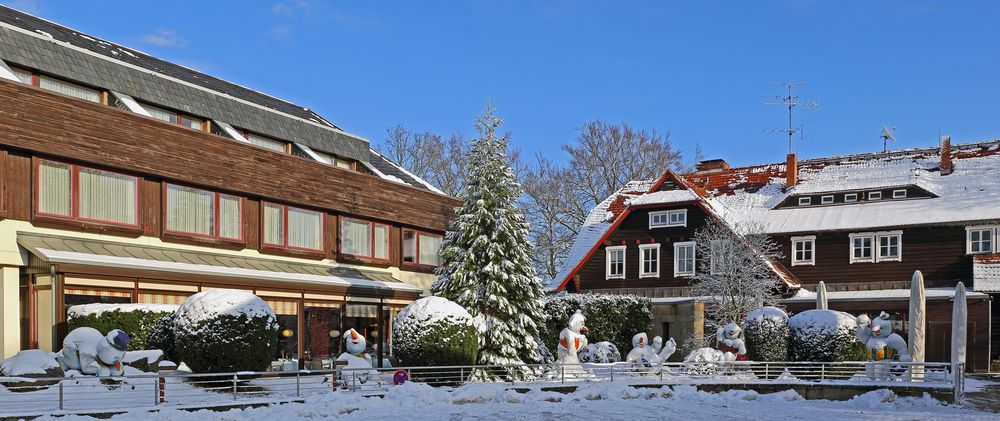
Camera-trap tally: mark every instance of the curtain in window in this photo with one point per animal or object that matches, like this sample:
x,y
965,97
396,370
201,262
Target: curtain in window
x,y
106,196
429,245
274,224
409,246
160,113
355,238
24,77
267,143
305,229
54,191
230,217
382,242
190,210
69,89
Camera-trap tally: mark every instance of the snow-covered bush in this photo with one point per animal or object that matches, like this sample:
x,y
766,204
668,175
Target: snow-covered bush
x,y
224,330
765,331
601,352
434,331
137,320
612,318
162,337
823,335
24,366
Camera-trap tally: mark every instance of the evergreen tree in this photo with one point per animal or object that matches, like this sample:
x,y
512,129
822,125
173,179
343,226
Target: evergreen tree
x,y
486,259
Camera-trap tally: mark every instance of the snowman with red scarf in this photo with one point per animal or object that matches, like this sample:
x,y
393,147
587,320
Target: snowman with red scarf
x,y
728,341
358,370
571,341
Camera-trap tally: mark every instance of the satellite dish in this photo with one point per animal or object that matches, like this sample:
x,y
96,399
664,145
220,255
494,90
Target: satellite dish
x,y
886,137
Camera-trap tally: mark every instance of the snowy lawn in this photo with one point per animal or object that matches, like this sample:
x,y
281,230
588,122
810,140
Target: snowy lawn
x,y
593,401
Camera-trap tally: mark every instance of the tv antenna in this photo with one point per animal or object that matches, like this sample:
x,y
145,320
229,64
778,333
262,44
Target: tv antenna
x,y
886,137
790,101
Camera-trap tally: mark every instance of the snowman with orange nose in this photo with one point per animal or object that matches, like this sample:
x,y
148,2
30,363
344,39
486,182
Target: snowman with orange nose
x,y
571,341
358,370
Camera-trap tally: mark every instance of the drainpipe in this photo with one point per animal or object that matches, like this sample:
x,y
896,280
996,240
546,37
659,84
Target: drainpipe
x,y
381,331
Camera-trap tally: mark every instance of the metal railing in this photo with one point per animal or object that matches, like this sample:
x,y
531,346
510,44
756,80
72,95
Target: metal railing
x,y
89,394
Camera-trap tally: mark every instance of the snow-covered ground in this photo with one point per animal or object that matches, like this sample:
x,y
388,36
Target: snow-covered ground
x,y
607,401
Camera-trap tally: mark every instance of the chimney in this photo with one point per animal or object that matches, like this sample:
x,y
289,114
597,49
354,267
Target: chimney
x,y
791,171
947,167
711,165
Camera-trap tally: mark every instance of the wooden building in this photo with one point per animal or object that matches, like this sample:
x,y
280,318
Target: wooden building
x,y
861,223
129,179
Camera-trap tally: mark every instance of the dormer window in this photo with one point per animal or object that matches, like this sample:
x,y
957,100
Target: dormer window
x,y
826,200
174,117
875,195
266,142
851,197
899,194
671,218
805,201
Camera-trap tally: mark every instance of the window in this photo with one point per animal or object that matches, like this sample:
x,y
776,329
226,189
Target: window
x,y
342,163
803,201
160,113
291,227
649,260
980,239
615,262
672,218
827,200
266,142
333,160
421,248
717,261
364,239
876,246
875,195
804,250
87,194
67,88
202,212
23,75
684,259
898,194
851,197
192,122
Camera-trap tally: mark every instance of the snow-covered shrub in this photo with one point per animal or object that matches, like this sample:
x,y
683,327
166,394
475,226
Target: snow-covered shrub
x,y
224,330
137,320
29,364
822,335
601,352
434,331
765,331
612,318
162,337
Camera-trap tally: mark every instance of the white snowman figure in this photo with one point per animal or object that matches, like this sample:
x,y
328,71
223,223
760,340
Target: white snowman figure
x,y
89,352
882,345
571,341
645,356
667,350
355,373
657,344
728,341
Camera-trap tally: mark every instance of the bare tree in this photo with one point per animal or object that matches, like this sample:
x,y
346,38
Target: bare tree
x,y
544,205
428,156
737,272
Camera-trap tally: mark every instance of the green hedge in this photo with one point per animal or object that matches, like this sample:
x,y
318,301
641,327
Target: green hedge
x,y
137,320
823,336
434,331
163,338
612,318
765,331
221,330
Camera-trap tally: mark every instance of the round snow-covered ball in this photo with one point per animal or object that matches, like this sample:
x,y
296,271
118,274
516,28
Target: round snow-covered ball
x,y
434,331
765,331
601,352
225,330
822,335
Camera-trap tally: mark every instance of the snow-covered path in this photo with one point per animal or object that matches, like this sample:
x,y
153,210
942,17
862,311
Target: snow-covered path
x,y
599,401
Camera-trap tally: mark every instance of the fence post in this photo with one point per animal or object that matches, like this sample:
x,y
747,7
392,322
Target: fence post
x,y
767,370
562,374
235,376
156,391
162,381
60,395
298,387
822,372
461,374
612,372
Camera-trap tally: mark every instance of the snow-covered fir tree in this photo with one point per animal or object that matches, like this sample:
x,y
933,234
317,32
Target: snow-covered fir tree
x,y
486,259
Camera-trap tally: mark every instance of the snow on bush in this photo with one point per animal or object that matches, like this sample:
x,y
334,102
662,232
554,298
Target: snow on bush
x,y
434,331
225,330
705,355
601,352
24,367
766,333
137,320
162,337
823,335
612,318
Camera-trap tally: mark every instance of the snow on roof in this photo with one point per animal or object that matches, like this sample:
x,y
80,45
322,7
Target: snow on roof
x,y
986,273
883,294
664,197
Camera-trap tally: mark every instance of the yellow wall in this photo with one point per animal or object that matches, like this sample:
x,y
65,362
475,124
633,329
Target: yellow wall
x,y
10,340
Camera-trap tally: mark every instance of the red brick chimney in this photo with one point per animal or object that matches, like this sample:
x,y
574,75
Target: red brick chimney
x,y
791,171
712,165
947,167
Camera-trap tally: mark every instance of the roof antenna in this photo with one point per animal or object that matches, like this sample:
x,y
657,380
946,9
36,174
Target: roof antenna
x,y
886,137
790,101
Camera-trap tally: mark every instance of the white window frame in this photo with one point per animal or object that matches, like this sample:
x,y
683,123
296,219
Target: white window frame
x,y
899,194
851,197
874,195
811,239
607,261
668,215
826,200
875,239
805,201
992,229
694,259
642,260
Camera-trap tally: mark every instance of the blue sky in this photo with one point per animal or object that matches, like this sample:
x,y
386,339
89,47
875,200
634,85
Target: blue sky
x,y
699,70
